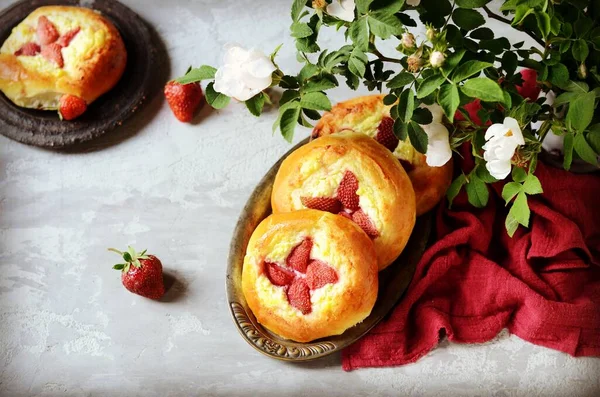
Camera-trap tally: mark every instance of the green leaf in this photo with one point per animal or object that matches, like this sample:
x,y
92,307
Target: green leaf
x,y
429,85
453,60
406,105
581,111
300,30
543,23
127,257
422,116
389,99
400,129
120,266
580,50
204,72
418,137
319,85
532,185
384,25
519,174
315,101
467,19
483,88
359,33
216,99
449,100
255,104
510,190
521,12
511,224
363,6
565,97
483,174
388,6
509,62
482,34
400,80
568,151
593,137
287,96
312,114
472,3
357,62
288,121
477,192
584,150
454,188
559,74
520,209
297,7
469,69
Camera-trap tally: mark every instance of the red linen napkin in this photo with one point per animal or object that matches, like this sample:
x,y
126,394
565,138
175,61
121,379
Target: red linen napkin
x,y
543,284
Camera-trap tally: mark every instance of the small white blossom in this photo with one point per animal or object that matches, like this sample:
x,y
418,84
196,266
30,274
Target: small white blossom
x,y
502,141
342,9
408,40
413,3
437,59
438,146
244,73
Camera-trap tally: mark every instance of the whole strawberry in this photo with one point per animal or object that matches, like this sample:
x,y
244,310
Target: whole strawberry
x,y
141,273
184,99
71,107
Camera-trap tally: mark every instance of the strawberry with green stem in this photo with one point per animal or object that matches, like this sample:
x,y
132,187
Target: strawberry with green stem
x,y
141,273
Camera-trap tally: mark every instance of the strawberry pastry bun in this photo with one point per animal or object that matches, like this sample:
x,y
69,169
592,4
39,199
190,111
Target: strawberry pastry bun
x,y
61,56
309,274
370,116
351,175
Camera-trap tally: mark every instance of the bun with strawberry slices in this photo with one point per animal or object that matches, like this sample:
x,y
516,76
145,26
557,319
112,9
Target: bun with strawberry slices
x,y
370,116
61,57
351,175
309,274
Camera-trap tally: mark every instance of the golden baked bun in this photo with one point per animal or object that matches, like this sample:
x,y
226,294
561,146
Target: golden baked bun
x,y
354,176
60,50
370,116
309,274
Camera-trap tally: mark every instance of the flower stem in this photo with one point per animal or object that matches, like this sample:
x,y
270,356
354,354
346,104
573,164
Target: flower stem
x,y
497,17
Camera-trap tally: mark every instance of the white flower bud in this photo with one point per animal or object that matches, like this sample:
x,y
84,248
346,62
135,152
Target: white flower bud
x,y
437,59
413,3
408,40
414,63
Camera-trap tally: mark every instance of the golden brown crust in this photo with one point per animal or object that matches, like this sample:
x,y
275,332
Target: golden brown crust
x,y
335,307
92,67
363,114
385,191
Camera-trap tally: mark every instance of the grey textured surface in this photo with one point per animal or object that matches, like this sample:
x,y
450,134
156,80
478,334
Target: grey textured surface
x,y
68,327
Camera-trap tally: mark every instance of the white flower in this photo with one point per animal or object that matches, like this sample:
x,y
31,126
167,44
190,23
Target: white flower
x,y
413,3
342,9
244,73
408,40
502,141
437,59
438,146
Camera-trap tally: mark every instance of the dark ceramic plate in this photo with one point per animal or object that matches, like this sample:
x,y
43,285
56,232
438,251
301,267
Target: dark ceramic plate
x,y
43,128
393,281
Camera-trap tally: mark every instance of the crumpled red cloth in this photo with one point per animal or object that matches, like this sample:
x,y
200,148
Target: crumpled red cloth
x,y
543,284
